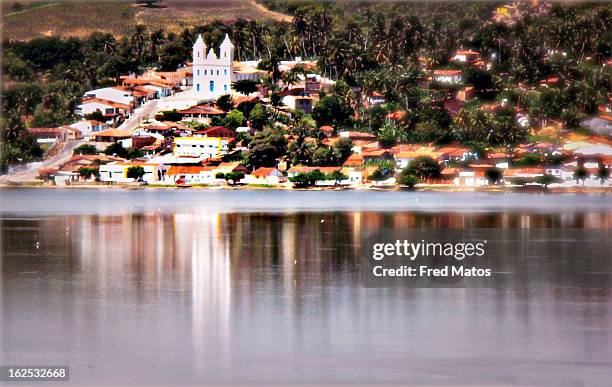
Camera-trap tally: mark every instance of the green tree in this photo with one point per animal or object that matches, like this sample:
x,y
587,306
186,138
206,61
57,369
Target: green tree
x,y
408,180
302,180
266,147
88,172
580,174
389,135
85,149
603,173
225,103
245,86
135,153
258,117
169,115
233,176
96,115
234,119
423,167
337,176
171,55
116,149
323,156
546,179
343,149
136,172
331,110
493,175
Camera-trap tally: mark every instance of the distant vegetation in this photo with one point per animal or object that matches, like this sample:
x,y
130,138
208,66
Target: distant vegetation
x,y
25,19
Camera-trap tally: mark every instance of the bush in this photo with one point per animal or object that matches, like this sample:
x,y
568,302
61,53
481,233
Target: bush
x,y
97,116
409,180
167,115
135,172
423,167
116,149
545,180
87,172
493,175
85,149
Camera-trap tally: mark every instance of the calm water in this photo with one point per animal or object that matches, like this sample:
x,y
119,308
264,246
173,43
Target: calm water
x,y
216,287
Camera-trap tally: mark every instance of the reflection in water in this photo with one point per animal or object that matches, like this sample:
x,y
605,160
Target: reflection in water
x,y
276,298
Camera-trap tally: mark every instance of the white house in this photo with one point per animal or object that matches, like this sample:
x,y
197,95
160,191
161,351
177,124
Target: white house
x,y
117,172
107,108
111,94
200,146
465,56
212,75
448,76
88,127
601,124
263,175
191,175
296,102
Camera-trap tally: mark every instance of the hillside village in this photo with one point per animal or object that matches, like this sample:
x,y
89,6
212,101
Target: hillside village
x,y
215,120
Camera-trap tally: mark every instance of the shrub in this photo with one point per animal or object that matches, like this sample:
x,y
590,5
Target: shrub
x,y
85,149
135,172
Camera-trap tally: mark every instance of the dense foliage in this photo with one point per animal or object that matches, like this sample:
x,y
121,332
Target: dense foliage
x,y
369,46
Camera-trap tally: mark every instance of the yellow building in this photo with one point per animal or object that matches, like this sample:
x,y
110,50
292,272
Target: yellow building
x,y
206,147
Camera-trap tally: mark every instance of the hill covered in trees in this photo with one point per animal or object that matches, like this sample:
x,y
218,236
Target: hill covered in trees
x,y
386,47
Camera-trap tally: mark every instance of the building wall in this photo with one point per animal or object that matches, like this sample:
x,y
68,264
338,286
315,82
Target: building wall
x,y
88,108
200,146
111,94
212,75
118,173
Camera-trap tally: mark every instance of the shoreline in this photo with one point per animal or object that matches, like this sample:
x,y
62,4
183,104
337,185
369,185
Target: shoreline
x,y
420,188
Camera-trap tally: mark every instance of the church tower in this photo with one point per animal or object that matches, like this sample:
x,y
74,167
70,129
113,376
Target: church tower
x,y
212,74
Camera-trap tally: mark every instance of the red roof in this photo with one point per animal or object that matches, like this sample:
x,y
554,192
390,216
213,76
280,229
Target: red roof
x,y
447,72
202,109
354,160
467,52
46,131
263,172
106,102
359,135
187,169
216,131
396,115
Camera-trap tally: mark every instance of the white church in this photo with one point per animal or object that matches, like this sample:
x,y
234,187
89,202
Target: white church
x,y
213,75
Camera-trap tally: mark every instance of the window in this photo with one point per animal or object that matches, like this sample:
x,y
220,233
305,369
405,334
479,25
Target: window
x,y
198,72
198,87
224,87
205,72
212,85
225,72
217,72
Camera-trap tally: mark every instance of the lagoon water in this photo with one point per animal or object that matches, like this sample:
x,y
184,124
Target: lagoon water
x,y
172,287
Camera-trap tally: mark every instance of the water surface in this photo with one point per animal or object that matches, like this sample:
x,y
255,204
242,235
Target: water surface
x,y
191,287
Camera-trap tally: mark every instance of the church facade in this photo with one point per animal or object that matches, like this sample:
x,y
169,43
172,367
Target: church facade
x,y
213,75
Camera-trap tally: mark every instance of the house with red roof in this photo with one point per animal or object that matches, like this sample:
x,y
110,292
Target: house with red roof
x,y
201,113
466,56
215,131
265,175
448,76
